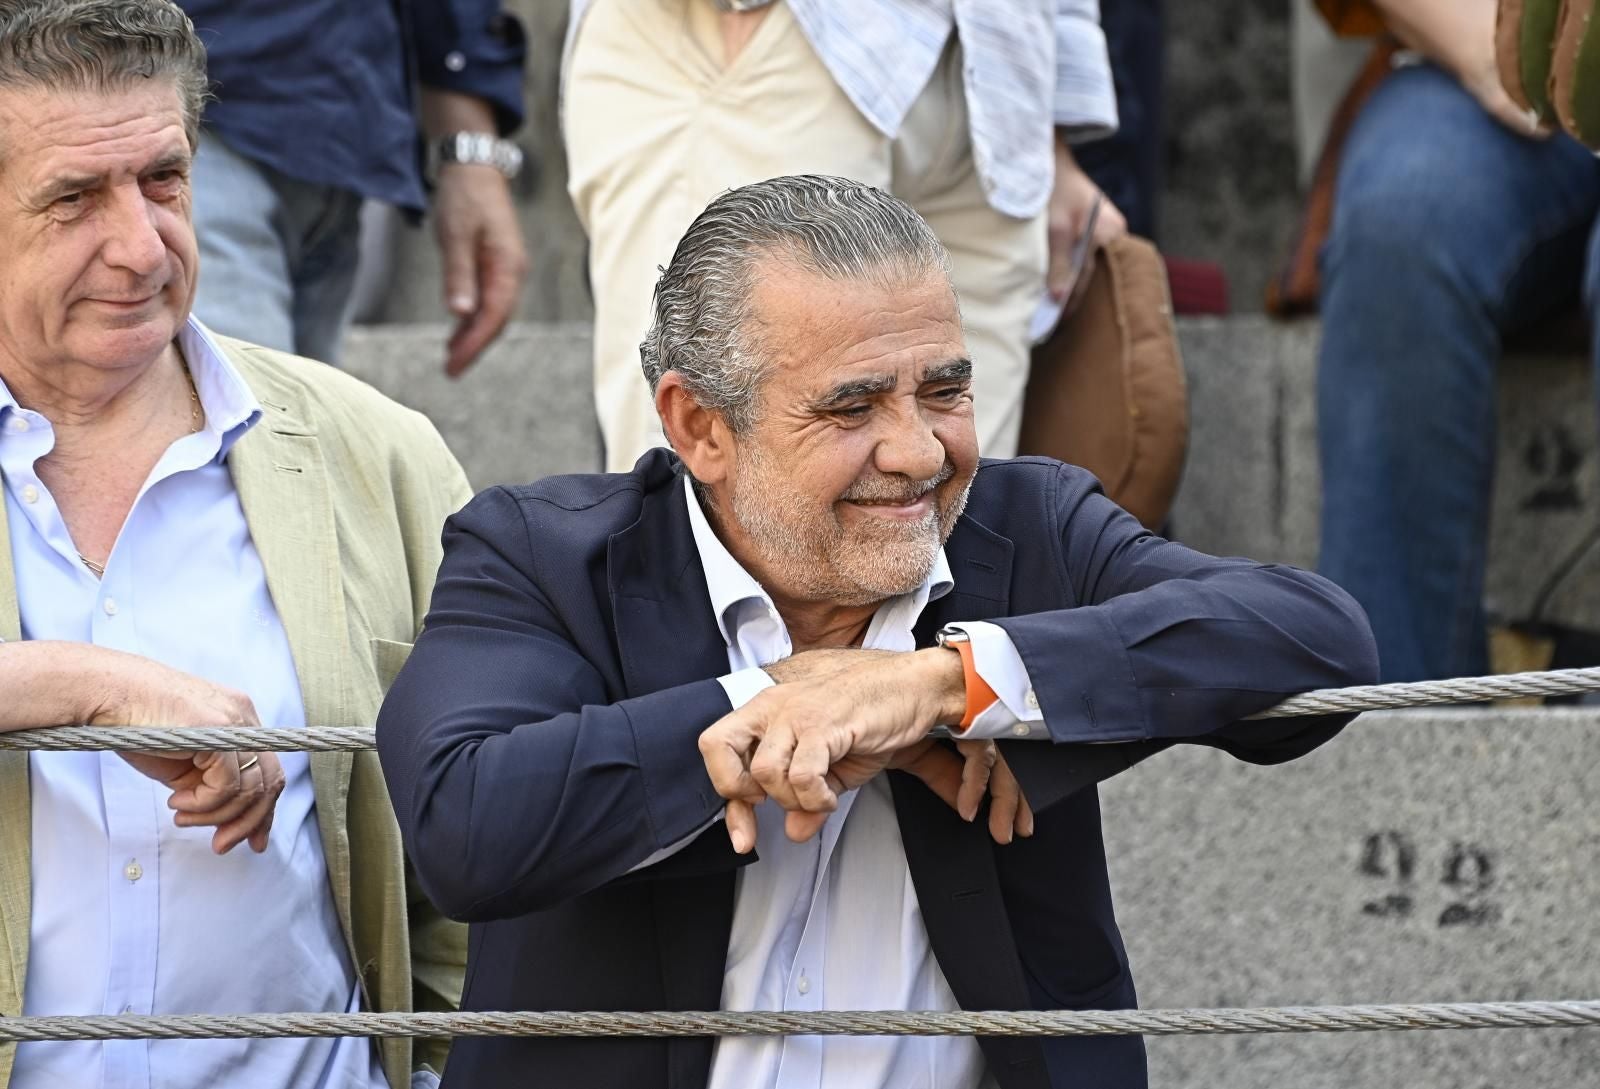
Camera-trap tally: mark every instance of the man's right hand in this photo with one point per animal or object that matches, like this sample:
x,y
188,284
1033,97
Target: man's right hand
x,y
235,792
847,691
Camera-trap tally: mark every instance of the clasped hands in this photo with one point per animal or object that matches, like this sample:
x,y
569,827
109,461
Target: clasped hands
x,y
835,719
234,792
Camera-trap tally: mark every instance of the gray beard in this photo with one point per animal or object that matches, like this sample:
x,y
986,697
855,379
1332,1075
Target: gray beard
x,y
814,559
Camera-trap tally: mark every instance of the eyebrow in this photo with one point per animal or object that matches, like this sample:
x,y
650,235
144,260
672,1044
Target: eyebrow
x,y
956,370
856,388
73,183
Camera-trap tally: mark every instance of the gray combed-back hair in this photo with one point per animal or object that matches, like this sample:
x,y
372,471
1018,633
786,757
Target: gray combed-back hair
x,y
103,45
834,227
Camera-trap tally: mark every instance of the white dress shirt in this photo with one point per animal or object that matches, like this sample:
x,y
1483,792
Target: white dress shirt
x,y
1030,66
130,913
834,923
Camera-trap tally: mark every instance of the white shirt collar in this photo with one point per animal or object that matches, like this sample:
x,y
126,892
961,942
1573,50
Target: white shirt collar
x,y
230,407
730,585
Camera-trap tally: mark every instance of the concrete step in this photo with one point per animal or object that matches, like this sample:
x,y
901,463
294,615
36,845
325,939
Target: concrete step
x,y
1422,856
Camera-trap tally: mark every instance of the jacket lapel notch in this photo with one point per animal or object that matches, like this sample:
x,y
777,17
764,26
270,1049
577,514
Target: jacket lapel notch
x,y
661,608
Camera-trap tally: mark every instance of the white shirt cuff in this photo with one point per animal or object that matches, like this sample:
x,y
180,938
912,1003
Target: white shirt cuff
x,y
1016,715
745,684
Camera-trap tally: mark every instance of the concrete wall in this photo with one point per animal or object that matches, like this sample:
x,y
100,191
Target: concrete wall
x,y
1420,857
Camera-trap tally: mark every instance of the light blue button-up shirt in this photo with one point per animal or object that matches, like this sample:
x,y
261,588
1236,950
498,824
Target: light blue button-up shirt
x,y
130,913
1030,65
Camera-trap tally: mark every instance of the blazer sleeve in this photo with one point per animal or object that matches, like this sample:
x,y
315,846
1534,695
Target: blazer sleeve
x,y
1169,644
517,782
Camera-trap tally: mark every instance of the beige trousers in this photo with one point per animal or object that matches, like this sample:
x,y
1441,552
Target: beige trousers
x,y
656,126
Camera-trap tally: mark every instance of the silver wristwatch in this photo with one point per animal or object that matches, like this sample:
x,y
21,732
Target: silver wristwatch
x,y
480,149
741,5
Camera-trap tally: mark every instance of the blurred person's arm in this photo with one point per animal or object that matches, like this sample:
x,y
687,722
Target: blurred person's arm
x,y
469,58
1458,36
1084,108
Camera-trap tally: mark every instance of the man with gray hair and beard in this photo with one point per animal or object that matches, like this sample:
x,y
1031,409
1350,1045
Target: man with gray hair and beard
x,y
670,739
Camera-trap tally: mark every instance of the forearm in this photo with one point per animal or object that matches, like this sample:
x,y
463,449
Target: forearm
x,y
1187,658
48,683
445,111
501,821
1454,34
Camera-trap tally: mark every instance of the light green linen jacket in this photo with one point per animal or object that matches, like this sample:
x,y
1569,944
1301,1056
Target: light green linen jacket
x,y
345,493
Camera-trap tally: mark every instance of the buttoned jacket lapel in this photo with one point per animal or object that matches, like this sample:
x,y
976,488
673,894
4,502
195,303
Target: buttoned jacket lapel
x,y
952,862
667,636
281,477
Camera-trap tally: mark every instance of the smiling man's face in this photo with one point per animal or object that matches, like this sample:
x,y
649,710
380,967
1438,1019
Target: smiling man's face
x,y
100,254
863,446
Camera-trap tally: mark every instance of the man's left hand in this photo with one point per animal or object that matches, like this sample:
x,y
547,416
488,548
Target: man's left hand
x,y
1071,197
480,244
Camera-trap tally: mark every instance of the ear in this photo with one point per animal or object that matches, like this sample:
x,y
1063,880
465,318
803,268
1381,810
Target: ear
x,y
699,435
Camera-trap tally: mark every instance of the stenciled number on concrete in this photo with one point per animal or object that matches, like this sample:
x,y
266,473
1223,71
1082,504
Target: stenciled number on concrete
x,y
1466,874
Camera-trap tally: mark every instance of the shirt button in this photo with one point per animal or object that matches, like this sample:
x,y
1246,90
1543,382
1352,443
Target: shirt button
x,y
110,606
454,61
1020,730
17,424
133,871
30,494
1032,700
803,986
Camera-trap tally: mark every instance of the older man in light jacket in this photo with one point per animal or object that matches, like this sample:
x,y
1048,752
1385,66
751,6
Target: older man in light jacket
x,y
196,532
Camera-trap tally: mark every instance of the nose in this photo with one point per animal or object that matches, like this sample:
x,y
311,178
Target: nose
x,y
133,239
908,446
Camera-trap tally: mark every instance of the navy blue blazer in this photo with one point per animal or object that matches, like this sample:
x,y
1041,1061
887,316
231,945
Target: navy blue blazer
x,y
541,742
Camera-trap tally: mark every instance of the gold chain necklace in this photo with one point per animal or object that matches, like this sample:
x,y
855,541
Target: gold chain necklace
x,y
196,420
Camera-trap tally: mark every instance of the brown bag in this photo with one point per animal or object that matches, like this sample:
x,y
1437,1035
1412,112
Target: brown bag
x,y
1107,390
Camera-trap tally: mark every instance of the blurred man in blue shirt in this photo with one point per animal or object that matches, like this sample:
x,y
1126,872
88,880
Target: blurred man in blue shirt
x,y
317,108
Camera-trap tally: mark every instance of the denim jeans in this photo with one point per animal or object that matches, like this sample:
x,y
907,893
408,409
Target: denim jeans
x,y
1449,232
277,255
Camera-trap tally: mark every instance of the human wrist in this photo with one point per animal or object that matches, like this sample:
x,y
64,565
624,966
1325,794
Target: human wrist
x,y
944,683
445,112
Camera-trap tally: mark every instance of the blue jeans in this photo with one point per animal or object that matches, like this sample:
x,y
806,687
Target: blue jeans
x,y
1449,232
277,255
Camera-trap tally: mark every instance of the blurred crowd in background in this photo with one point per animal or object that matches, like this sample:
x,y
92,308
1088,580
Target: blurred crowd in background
x,y
1439,217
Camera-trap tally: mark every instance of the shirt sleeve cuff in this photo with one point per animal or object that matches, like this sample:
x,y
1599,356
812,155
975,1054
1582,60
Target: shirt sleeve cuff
x,y
745,684
1085,105
1015,714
